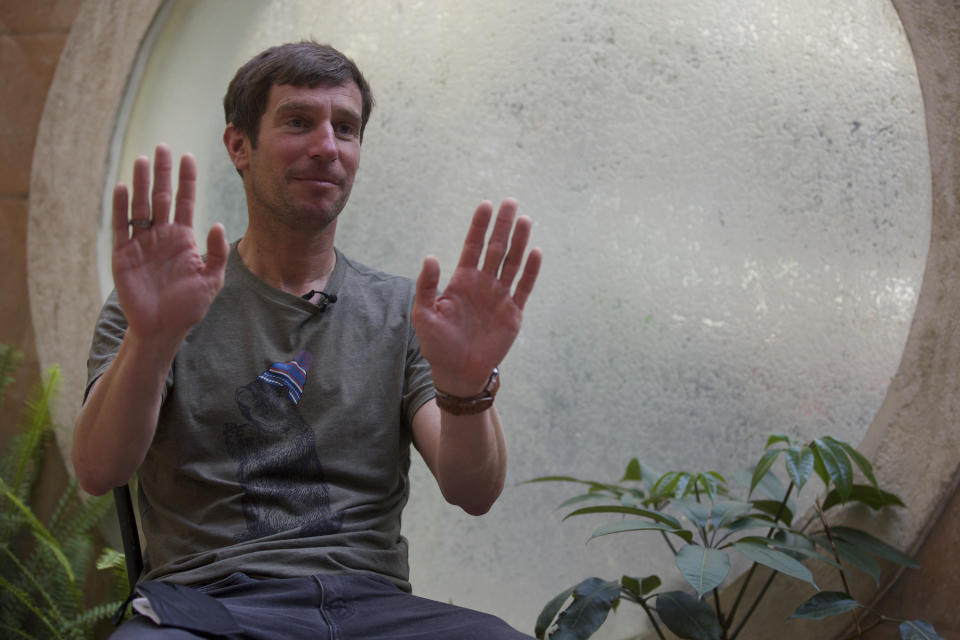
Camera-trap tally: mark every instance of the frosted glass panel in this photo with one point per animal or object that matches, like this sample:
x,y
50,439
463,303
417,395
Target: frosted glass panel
x,y
733,198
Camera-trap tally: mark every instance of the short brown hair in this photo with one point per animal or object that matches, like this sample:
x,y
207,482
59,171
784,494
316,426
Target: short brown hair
x,y
300,64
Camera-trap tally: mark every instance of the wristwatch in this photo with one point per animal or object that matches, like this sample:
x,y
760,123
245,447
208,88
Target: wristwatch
x,y
469,406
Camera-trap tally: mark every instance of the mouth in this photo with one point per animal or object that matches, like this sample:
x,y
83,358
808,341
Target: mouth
x,y
319,180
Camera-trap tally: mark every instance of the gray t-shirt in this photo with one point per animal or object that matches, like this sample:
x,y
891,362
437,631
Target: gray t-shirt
x,y
283,443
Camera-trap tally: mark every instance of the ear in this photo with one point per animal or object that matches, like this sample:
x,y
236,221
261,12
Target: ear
x,y
238,146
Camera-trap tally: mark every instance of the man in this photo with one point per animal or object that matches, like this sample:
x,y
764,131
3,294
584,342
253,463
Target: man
x,y
267,395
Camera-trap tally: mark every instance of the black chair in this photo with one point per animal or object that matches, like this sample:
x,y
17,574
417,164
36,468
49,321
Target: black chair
x,y
129,533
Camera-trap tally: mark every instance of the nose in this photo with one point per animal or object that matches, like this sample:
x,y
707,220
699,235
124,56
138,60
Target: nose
x,y
323,143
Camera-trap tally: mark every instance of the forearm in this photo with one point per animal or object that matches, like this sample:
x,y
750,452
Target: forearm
x,y
471,460
115,427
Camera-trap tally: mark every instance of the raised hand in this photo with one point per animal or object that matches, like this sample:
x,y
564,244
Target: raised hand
x,y
163,284
466,331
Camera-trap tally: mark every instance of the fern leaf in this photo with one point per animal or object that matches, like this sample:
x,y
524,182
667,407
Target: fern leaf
x,y
63,505
27,602
38,417
97,613
40,532
33,584
9,362
19,632
83,516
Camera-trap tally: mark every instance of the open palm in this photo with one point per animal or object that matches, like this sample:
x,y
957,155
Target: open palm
x,y
468,329
164,285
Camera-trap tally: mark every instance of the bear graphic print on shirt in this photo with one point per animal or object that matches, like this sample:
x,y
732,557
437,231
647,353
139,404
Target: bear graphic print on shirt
x,y
276,456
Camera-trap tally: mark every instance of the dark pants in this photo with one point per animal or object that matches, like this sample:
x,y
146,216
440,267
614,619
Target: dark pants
x,y
325,607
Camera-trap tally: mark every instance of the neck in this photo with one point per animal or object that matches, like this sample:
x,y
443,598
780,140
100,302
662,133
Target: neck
x,y
292,263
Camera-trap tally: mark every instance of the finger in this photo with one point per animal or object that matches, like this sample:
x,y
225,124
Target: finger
x,y
497,245
139,205
121,225
186,191
217,252
162,190
426,293
473,244
528,279
518,245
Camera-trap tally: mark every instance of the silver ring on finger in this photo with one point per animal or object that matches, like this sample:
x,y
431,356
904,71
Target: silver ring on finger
x,y
141,223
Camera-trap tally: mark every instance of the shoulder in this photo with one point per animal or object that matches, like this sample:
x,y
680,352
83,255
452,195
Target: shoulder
x,y
357,273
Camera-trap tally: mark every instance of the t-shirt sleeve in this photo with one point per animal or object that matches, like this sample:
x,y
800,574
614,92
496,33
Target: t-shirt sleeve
x,y
418,381
107,335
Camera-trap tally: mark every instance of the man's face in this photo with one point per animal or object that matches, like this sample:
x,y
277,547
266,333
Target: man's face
x,y
307,154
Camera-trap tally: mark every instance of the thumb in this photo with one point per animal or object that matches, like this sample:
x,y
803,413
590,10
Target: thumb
x,y
217,250
427,282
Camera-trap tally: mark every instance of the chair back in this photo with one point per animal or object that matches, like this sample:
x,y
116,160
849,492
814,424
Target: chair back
x,y
129,534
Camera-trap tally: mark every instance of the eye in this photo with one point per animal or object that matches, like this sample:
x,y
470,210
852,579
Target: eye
x,y
346,130
296,122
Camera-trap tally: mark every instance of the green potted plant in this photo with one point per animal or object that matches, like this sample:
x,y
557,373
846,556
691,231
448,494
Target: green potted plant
x,y
703,524
43,565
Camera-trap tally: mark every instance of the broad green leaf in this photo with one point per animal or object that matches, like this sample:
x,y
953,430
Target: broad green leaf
x,y
550,611
684,485
704,568
658,516
583,497
776,560
819,468
633,471
874,545
796,551
865,467
825,604
776,438
557,479
719,477
639,525
640,587
650,475
723,513
709,485
631,500
666,484
918,630
697,513
688,617
649,583
595,487
771,507
865,494
763,467
799,463
852,555
751,522
837,466
771,484
592,600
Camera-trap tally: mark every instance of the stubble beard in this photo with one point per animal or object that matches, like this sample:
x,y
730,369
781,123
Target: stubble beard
x,y
301,217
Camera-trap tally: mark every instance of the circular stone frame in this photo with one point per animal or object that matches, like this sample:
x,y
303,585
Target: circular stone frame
x,y
913,440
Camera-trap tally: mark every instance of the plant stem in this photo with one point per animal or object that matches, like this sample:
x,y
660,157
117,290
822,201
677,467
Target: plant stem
x,y
871,626
716,603
743,590
836,556
653,620
746,581
669,544
763,591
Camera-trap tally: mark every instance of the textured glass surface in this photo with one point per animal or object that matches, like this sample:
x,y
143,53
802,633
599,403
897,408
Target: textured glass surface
x,y
733,199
